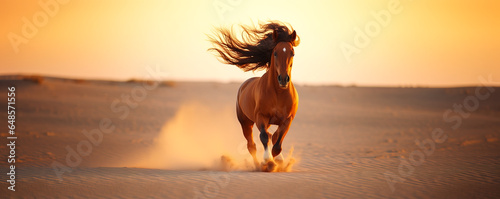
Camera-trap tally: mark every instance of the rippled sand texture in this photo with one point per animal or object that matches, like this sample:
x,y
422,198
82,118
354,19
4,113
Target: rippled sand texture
x,y
182,140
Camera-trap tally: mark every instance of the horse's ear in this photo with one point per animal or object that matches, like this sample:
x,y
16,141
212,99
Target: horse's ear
x,y
295,40
275,35
293,36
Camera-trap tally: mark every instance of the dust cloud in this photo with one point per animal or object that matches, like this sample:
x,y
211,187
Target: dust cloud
x,y
201,137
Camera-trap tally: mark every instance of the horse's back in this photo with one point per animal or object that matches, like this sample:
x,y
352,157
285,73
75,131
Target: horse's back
x,y
245,100
247,82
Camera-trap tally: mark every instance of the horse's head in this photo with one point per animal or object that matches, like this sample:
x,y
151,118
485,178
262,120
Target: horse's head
x,y
282,59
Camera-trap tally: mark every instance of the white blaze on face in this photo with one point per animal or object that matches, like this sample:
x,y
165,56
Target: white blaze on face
x,y
284,49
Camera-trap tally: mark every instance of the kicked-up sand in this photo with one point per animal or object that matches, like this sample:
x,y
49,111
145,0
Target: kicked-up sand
x,y
140,139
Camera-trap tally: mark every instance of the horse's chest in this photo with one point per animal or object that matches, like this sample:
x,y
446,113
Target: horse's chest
x,y
277,116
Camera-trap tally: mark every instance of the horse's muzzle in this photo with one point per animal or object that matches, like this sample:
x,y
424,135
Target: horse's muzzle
x,y
283,81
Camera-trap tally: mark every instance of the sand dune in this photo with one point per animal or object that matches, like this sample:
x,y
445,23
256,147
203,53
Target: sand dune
x,y
167,140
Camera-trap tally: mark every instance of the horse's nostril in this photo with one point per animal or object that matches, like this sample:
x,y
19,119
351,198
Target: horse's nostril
x,y
279,78
287,79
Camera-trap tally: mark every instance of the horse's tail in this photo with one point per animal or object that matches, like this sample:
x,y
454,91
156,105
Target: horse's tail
x,y
253,51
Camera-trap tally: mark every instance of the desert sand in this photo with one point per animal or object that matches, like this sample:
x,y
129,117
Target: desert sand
x,y
167,140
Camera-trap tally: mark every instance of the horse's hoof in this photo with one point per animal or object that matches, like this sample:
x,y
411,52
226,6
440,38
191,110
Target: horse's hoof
x,y
270,166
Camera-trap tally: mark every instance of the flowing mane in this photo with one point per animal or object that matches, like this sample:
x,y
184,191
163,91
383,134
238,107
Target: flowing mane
x,y
254,50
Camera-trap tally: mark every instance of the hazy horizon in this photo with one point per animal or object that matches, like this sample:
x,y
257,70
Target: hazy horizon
x,y
390,43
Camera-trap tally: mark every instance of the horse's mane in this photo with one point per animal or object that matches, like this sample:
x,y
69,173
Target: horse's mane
x,y
254,50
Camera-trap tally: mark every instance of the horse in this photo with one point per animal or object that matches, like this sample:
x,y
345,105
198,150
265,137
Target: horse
x,y
268,100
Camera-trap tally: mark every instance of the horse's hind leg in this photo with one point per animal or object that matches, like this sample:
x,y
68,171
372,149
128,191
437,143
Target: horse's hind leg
x,y
246,126
247,132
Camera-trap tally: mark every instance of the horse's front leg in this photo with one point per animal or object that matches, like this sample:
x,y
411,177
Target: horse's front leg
x,y
278,137
263,125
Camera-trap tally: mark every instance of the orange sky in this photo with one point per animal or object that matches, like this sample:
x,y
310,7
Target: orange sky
x,y
428,43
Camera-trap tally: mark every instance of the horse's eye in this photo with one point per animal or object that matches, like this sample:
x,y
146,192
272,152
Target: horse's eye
x,y
275,54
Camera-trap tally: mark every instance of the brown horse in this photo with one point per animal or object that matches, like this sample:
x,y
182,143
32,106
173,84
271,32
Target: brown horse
x,y
270,99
